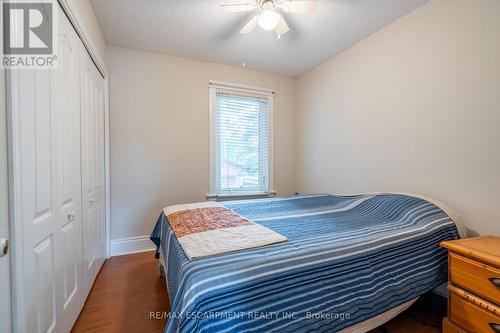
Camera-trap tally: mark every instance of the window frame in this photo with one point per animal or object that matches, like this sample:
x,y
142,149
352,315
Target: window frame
x,y
213,86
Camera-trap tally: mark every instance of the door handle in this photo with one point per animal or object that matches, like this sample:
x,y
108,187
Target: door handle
x,y
495,281
4,247
495,327
71,216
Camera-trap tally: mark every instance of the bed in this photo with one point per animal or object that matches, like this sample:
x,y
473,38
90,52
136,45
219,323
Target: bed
x,y
350,264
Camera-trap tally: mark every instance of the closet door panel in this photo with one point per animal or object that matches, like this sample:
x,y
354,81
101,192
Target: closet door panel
x,y
66,93
43,226
99,179
36,205
92,170
87,175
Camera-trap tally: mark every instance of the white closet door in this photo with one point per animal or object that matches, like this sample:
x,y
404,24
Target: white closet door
x,y
68,180
36,205
92,118
47,191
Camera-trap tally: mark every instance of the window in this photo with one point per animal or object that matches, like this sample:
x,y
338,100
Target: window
x,y
240,140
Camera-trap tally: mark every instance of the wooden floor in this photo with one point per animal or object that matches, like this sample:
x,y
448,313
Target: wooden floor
x,y
128,290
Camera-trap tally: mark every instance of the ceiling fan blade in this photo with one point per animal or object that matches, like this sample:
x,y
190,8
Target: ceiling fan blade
x,y
299,6
250,26
237,8
282,27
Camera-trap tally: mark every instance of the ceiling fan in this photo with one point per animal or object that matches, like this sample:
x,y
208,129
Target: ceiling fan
x,y
269,17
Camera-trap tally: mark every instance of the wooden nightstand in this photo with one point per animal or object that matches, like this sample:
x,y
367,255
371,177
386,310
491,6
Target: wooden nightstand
x,y
474,285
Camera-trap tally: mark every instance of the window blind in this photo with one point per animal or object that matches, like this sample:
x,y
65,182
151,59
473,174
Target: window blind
x,y
241,143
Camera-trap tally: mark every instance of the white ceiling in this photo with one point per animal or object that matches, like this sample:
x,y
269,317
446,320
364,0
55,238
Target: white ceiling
x,y
199,29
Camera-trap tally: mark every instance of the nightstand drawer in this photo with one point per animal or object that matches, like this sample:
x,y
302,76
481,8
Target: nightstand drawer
x,y
476,277
473,314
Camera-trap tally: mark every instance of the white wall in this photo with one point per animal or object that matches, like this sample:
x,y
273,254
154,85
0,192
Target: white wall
x,y
414,107
87,15
159,133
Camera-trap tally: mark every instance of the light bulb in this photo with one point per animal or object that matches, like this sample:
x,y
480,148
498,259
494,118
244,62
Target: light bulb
x,y
269,19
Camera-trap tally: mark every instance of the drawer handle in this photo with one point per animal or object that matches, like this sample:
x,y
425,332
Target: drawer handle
x,y
495,327
495,281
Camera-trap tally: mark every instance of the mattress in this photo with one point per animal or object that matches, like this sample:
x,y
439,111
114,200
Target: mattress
x,y
361,327
350,261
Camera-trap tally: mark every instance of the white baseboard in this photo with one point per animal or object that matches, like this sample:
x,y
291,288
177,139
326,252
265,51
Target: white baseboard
x,y
131,245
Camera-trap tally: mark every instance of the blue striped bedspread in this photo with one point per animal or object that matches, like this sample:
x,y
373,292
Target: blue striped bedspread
x,y
347,259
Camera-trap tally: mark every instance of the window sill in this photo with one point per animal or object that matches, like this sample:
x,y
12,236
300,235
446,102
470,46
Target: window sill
x,y
240,196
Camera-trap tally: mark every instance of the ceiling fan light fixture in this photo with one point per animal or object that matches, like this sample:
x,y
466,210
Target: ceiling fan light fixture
x,y
269,19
